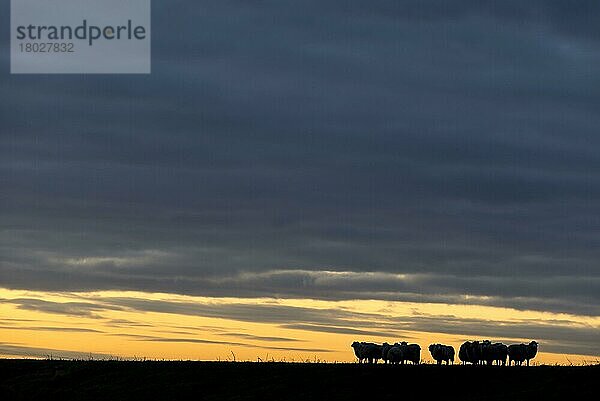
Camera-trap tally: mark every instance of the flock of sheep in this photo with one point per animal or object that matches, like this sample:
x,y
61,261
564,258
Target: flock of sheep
x,y
474,352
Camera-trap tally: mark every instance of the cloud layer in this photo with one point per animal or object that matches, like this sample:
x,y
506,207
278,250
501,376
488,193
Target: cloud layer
x,y
556,335
416,150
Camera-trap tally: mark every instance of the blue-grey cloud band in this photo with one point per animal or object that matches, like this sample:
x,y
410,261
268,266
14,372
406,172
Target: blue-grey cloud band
x,y
423,150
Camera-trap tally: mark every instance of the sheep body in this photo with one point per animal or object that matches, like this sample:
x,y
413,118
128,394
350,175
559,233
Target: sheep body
x,y
395,354
409,352
494,352
470,351
520,353
385,351
367,352
474,352
442,353
358,351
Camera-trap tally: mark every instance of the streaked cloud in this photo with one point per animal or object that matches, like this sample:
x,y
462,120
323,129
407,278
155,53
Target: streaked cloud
x,y
36,352
429,152
200,341
390,320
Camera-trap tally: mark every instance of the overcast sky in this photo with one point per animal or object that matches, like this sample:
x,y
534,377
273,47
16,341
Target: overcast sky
x,y
397,150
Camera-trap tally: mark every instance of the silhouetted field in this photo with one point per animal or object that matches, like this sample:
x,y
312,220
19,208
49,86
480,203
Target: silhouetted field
x,y
120,380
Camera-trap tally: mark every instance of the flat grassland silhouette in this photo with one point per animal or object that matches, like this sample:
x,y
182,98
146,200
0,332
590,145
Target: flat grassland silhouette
x,y
189,380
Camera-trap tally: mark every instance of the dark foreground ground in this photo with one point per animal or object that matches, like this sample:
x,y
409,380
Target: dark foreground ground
x,y
148,380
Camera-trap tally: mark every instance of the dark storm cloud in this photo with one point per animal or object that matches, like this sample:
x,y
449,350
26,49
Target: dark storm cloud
x,y
453,142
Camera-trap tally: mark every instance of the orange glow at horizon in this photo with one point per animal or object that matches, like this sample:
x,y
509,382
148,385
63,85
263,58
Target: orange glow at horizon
x,y
29,327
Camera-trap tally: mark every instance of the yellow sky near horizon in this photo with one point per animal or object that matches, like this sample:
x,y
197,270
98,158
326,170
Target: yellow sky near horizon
x,y
169,326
